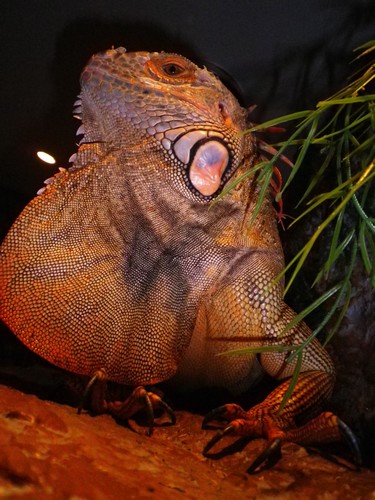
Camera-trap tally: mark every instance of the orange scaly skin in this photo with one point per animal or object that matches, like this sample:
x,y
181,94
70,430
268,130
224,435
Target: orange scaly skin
x,y
122,270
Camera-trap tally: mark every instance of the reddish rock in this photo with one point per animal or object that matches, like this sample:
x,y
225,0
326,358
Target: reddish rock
x,y
48,451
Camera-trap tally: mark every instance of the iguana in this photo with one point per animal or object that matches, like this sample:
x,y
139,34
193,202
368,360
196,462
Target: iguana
x,y
122,269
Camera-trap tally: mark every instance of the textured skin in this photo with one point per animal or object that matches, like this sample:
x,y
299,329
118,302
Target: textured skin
x,y
122,265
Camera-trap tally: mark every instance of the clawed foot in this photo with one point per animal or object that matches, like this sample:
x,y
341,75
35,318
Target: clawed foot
x,y
259,422
138,400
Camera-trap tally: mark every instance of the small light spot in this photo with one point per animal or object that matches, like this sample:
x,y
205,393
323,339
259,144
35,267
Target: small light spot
x,y
46,157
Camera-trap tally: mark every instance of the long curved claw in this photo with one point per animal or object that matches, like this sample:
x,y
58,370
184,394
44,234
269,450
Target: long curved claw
x,y
157,402
272,450
86,393
226,412
168,410
351,440
150,413
217,437
151,401
216,413
99,375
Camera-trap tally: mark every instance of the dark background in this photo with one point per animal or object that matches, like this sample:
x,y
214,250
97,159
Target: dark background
x,y
281,55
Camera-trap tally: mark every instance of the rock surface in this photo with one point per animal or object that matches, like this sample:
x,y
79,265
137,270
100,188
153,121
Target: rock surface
x,y
48,451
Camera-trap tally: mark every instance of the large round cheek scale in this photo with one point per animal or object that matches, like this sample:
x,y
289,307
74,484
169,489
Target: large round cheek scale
x,y
207,167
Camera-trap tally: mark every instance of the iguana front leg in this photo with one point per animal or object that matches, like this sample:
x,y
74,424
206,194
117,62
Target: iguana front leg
x,y
251,308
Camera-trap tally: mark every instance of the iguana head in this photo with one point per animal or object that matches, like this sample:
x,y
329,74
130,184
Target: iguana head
x,y
164,101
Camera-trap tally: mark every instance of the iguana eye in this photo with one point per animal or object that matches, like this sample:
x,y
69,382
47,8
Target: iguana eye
x,y
171,68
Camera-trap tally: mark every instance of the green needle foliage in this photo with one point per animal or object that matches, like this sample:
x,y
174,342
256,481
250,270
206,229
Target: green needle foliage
x,y
342,129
